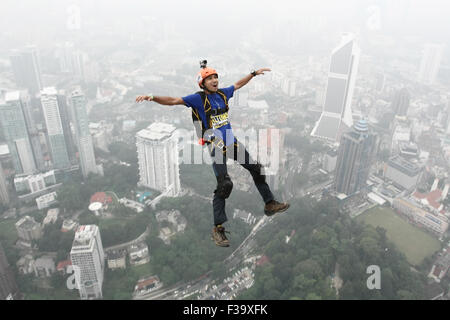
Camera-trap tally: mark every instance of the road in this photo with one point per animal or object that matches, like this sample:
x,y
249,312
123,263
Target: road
x,y
184,290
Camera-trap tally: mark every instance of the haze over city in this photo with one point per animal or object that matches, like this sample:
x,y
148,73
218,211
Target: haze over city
x,y
99,196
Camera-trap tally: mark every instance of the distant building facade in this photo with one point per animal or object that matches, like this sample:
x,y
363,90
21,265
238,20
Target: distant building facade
x,y
400,103
4,194
84,138
435,223
430,63
402,173
28,229
26,69
355,156
13,121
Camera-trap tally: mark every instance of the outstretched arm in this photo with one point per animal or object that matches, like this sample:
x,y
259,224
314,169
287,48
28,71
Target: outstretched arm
x,y
168,101
246,79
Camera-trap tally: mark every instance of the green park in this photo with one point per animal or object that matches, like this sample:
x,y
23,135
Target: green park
x,y
415,243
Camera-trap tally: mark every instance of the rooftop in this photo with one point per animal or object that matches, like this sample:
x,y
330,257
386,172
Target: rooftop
x,y
137,247
116,254
62,264
404,165
361,126
53,212
68,224
156,131
4,150
47,197
101,197
49,91
408,147
332,152
45,262
432,197
12,96
146,282
327,127
262,261
84,235
26,222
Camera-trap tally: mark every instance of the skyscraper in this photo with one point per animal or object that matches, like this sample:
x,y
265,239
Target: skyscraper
x,y
430,64
88,259
8,286
71,60
65,121
157,150
52,116
83,136
15,130
26,69
4,196
380,82
336,116
400,103
34,135
355,155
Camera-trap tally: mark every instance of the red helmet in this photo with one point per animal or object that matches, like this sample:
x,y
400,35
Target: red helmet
x,y
203,74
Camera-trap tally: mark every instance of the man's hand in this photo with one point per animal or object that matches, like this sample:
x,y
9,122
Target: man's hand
x,y
142,98
245,80
261,71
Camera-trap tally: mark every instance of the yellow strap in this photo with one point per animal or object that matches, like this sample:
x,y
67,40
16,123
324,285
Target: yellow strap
x,y
195,113
224,97
209,103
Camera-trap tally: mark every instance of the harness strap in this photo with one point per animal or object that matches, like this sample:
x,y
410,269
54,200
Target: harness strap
x,y
208,112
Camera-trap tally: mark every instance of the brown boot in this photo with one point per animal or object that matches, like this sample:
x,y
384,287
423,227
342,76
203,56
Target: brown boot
x,y
274,206
219,237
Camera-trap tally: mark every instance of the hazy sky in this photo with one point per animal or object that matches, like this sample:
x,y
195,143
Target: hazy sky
x,y
22,20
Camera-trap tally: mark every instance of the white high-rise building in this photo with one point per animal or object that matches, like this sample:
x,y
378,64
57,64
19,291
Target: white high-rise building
x,y
431,61
84,138
88,258
336,116
157,150
54,125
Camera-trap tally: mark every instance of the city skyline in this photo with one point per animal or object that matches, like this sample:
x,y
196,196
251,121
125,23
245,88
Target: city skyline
x,y
357,106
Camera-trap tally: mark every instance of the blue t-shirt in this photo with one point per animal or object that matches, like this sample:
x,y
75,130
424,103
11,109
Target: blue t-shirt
x,y
221,124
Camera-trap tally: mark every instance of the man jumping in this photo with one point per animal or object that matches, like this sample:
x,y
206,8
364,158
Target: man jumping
x,y
210,112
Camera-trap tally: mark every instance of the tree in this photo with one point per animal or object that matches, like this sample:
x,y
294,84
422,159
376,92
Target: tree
x,y
88,218
323,238
313,296
70,197
405,295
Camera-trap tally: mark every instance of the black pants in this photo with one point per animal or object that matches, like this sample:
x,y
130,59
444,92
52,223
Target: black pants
x,y
220,168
